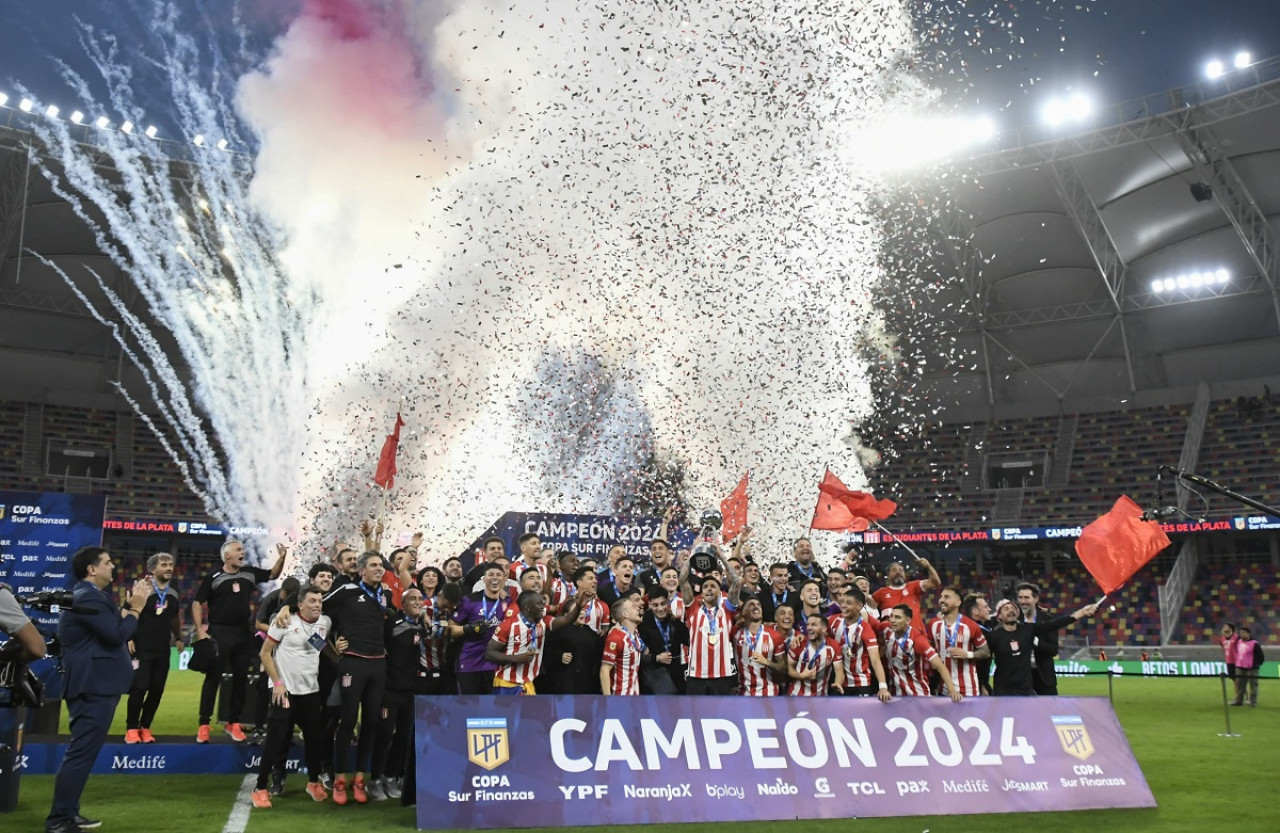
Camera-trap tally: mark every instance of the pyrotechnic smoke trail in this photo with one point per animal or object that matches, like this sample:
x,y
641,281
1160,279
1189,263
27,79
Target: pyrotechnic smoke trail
x,y
659,195
234,398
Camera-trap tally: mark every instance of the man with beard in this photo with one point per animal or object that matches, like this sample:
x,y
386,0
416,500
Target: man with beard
x,y
344,565
668,640
493,549
562,587
159,628
452,569
227,591
910,593
1012,643
477,617
778,593
529,557
520,641
859,641
810,664
760,653
910,657
975,606
1044,645
959,641
572,663
711,665
804,568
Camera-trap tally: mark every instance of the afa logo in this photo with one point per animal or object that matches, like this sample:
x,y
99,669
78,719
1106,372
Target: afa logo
x,y
1073,736
487,743
995,535
1238,523
3,509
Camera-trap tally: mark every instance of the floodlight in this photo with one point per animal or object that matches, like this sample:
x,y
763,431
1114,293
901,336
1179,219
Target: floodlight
x,y
222,144
1054,113
1201,191
151,131
52,111
25,105
1183,282
1243,59
1214,69
198,141
127,127
1222,275
4,99
102,123
77,117
1157,285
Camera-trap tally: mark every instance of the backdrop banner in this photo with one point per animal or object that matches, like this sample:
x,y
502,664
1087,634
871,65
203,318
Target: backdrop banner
x,y
548,761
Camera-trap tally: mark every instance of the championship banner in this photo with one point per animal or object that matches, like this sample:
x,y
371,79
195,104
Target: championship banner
x,y
583,535
489,762
39,532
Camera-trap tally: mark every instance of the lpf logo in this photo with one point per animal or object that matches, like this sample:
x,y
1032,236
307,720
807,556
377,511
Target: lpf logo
x,y
487,743
1073,736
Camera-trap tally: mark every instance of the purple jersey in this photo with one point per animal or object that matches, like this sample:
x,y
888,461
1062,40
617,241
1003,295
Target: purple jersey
x,y
478,608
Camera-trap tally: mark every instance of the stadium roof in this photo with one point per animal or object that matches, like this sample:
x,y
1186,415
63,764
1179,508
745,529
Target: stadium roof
x,y
1053,244
1088,267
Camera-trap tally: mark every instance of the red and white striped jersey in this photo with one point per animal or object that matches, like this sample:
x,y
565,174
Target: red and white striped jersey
x,y
856,645
435,641
908,666
755,680
822,658
710,646
517,635
561,592
965,635
623,650
677,606
518,567
595,615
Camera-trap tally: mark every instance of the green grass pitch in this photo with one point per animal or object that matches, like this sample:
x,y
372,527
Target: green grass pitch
x,y
1201,781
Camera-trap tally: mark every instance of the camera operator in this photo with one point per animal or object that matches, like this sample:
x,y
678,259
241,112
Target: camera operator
x,y
26,643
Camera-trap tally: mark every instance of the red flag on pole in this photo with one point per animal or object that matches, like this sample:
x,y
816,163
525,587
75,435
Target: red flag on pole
x,y
734,510
831,511
385,476
1115,546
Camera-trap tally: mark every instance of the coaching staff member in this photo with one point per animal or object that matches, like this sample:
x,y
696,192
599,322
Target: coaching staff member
x,y
227,591
95,638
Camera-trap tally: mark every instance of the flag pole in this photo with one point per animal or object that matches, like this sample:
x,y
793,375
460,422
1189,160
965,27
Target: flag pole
x,y
897,540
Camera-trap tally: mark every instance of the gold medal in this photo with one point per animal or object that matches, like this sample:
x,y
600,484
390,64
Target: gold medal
x,y
711,640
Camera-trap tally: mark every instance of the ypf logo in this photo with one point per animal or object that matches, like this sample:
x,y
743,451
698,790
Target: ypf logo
x,y
1073,735
487,742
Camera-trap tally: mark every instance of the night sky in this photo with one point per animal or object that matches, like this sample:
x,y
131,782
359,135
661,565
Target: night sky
x,y
1001,57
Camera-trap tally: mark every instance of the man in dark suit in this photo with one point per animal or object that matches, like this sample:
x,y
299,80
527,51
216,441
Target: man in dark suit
x,y
1045,647
95,638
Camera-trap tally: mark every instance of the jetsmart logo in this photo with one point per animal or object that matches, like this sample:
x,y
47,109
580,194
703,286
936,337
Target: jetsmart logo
x,y
137,762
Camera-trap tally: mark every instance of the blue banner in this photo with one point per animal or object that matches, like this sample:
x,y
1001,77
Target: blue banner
x,y
159,759
39,532
584,535
491,762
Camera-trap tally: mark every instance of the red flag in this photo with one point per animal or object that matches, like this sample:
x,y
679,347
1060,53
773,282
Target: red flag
x,y
1115,546
831,511
734,510
385,476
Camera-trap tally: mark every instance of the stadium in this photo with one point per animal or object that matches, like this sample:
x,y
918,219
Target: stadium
x,y
1098,300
